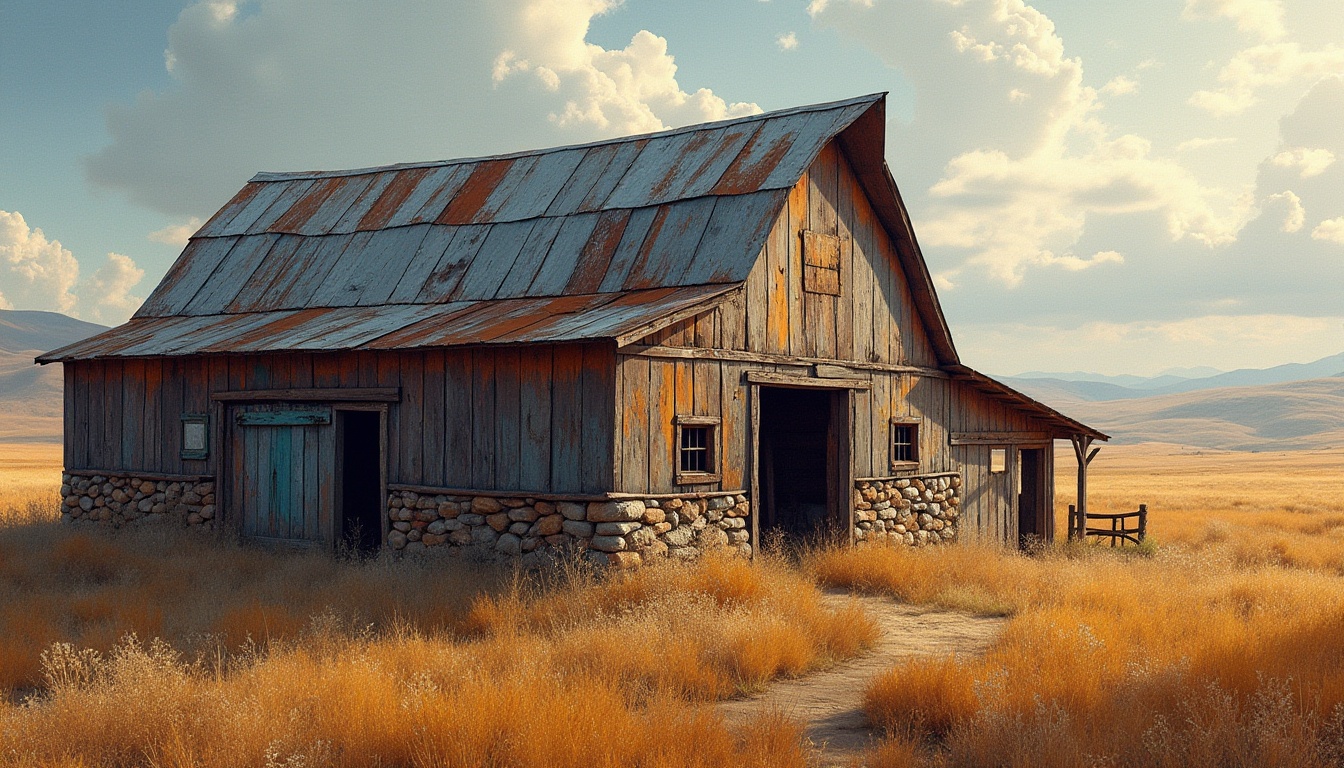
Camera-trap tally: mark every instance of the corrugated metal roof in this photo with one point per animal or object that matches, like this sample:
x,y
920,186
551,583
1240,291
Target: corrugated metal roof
x,y
399,245
526,320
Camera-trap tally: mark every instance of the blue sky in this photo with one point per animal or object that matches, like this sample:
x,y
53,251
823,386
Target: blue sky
x,y
1111,186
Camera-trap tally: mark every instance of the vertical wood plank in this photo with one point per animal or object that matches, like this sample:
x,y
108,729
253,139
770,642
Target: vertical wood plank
x,y
113,409
862,419
534,402
735,438
600,453
800,341
410,448
567,407
433,424
458,406
388,367
74,426
636,407
846,190
819,309
777,284
663,381
312,482
508,419
483,418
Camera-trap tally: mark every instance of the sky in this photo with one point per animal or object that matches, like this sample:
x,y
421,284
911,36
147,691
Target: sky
x,y
1116,186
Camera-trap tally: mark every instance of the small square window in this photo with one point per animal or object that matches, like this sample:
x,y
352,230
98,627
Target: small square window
x,y
696,462
195,436
695,449
904,443
998,460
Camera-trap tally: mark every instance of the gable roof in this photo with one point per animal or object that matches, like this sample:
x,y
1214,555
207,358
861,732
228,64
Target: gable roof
x,y
395,256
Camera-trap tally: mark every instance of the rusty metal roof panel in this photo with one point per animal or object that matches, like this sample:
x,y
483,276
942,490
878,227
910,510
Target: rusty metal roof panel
x,y
197,262
524,270
562,258
626,252
670,244
624,156
398,248
291,194
448,270
230,276
360,206
493,261
246,213
535,192
429,197
733,237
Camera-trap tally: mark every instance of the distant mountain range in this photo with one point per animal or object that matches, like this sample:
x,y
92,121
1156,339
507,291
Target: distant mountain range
x,y
1287,407
1064,388
30,395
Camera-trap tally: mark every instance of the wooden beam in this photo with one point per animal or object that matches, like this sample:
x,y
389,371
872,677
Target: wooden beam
x,y
324,395
804,382
854,367
998,438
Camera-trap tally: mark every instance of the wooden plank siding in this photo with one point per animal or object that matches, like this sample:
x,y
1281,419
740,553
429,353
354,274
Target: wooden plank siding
x,y
535,419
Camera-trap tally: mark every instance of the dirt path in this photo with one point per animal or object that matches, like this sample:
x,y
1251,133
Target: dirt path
x,y
831,702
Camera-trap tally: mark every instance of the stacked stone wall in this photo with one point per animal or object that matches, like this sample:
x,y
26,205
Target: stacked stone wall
x,y
914,511
118,500
622,533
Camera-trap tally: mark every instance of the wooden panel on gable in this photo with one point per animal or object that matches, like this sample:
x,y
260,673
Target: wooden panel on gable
x,y
821,262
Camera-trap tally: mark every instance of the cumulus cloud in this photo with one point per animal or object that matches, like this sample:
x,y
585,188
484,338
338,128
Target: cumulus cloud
x,y
1036,163
1264,66
1308,162
35,273
176,234
295,84
111,285
1294,215
787,41
1191,145
1120,85
1330,230
39,273
1262,18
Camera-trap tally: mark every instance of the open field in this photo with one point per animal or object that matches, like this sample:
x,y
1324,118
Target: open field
x,y
1222,644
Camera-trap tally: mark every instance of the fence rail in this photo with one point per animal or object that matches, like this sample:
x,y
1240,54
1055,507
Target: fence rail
x,y
1120,530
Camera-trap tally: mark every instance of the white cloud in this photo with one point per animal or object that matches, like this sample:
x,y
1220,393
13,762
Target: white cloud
x,y
111,285
1264,66
787,41
1330,230
1263,18
176,234
1216,141
1294,215
1031,173
37,273
1309,162
1120,85
294,84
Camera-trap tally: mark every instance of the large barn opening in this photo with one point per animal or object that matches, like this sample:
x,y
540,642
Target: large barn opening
x,y
1031,499
361,480
796,462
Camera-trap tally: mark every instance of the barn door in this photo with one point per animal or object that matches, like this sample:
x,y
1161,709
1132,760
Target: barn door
x,y
282,479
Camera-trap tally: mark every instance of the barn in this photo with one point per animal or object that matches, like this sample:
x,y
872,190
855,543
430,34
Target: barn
x,y
644,347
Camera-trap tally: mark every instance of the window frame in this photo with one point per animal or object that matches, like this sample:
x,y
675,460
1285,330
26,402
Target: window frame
x,y
192,454
1003,451
914,425
711,425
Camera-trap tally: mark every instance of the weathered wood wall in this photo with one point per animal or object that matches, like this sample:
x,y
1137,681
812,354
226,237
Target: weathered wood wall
x,y
502,418
872,320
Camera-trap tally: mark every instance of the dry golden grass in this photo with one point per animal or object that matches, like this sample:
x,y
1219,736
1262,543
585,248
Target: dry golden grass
x,y
30,479
259,658
1197,652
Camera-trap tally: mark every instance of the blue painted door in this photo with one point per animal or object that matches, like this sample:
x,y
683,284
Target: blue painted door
x,y
282,484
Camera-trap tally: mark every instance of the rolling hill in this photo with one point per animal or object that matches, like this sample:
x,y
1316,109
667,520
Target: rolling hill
x,y
1296,415
30,395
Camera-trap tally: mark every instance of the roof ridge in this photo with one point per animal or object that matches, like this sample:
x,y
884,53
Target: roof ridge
x,y
273,176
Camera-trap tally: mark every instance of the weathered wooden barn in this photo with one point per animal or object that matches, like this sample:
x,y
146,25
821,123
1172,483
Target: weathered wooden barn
x,y
644,346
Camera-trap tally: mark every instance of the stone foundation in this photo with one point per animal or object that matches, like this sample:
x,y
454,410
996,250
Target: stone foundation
x,y
622,533
121,500
915,511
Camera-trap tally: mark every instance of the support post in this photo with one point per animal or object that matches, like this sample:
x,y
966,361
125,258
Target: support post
x,y
1081,443
1143,521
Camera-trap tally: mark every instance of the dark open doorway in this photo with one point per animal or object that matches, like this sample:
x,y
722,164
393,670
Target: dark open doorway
x,y
361,480
796,462
1031,511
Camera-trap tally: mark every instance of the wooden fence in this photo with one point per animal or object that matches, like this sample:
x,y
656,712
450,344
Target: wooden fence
x,y
1120,531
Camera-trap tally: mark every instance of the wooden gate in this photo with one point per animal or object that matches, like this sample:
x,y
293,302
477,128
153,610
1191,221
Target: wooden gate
x,y
282,484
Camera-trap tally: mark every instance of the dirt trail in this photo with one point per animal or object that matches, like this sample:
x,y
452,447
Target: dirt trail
x,y
831,702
